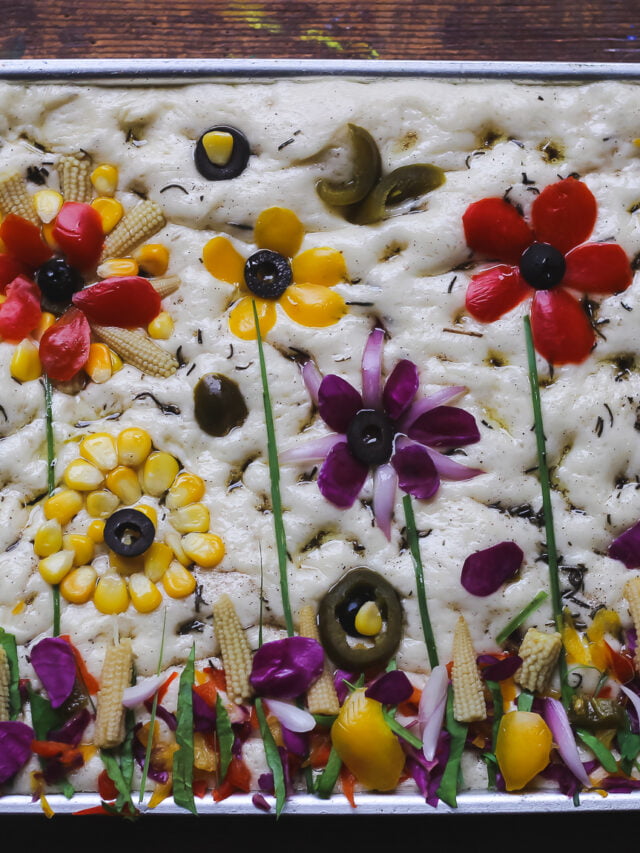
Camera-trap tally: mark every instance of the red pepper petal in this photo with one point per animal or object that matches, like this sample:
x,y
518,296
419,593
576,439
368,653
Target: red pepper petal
x,y
64,347
598,268
24,241
564,214
495,291
78,232
106,787
10,268
125,301
20,312
561,329
494,228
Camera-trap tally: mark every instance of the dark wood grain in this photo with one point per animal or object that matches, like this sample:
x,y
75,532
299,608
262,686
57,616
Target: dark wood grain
x,y
487,30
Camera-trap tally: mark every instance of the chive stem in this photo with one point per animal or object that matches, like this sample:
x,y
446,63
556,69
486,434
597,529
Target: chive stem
x,y
51,483
152,720
414,546
274,474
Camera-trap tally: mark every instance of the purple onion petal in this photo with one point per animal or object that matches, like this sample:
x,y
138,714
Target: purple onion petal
x,y
260,803
385,485
204,716
391,688
626,547
372,370
445,426
295,742
484,572
15,747
449,469
312,378
416,472
499,670
292,717
283,669
338,402
400,389
314,450
55,666
341,476
426,404
556,718
73,729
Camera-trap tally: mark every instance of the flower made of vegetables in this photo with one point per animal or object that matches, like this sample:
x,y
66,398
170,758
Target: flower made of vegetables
x,y
385,431
56,247
548,261
277,274
115,486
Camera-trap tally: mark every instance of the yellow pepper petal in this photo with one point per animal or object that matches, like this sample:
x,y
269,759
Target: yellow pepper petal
x,y
279,229
523,747
575,647
604,622
241,320
322,265
223,261
313,305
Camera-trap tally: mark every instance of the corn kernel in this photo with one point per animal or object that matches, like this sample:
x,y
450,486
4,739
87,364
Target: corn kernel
x,y
174,541
116,362
153,258
82,476
98,366
186,488
145,595
105,179
125,565
25,363
111,594
193,518
63,505
102,503
161,327
159,472
178,581
278,229
48,204
150,512
117,267
82,547
134,445
18,607
204,549
157,559
48,538
110,212
95,531
49,239
218,146
78,586
100,449
47,319
56,566
368,621
123,482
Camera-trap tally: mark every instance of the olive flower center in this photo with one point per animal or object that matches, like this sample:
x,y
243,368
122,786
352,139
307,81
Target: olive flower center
x,y
267,274
370,437
542,266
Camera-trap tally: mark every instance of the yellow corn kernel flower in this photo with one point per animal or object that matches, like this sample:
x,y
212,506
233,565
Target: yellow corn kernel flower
x,y
308,298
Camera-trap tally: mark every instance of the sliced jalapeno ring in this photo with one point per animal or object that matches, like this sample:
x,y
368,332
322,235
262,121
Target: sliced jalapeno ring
x,y
366,172
336,621
404,183
235,164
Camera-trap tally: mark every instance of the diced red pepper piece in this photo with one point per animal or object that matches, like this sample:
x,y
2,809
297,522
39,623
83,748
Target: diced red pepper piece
x,y
20,312
10,268
238,779
207,691
495,291
24,241
561,329
106,787
64,347
495,229
125,301
564,214
78,232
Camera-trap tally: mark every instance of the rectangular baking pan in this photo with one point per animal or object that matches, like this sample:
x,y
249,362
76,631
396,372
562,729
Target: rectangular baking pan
x,y
141,72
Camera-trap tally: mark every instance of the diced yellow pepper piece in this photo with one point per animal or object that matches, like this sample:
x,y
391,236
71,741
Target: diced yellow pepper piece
x,y
523,748
223,261
241,320
313,305
321,265
604,622
279,229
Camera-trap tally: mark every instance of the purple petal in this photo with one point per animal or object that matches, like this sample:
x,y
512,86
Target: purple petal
x,y
312,378
372,370
385,484
314,450
485,571
260,803
340,679
445,426
55,666
72,730
499,670
391,688
204,716
449,469
417,474
286,668
295,742
400,388
341,477
15,748
426,404
338,402
626,547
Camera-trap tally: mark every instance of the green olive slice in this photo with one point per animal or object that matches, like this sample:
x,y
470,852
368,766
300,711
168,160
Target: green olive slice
x,y
361,654
366,172
403,183
218,404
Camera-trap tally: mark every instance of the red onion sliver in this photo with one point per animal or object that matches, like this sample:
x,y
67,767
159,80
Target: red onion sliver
x,y
427,403
312,379
385,484
558,721
431,709
450,469
633,697
314,450
141,691
372,370
293,718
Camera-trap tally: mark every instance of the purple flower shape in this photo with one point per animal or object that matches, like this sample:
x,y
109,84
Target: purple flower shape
x,y
55,666
386,431
283,669
15,748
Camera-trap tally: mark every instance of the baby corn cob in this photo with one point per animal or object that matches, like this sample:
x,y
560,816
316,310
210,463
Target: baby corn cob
x,y
137,349
5,681
136,226
74,172
116,676
631,592
165,285
539,652
234,649
468,696
15,198
321,696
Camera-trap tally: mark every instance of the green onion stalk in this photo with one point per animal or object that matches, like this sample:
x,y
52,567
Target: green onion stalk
x,y
51,483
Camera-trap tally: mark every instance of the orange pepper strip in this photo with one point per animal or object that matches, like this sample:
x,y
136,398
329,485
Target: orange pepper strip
x,y
90,682
238,778
95,810
162,690
348,785
207,691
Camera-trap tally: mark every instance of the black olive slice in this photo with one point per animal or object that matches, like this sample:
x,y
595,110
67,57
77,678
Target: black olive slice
x,y
403,183
129,532
542,266
219,405
366,171
267,274
237,162
370,437
336,614
58,281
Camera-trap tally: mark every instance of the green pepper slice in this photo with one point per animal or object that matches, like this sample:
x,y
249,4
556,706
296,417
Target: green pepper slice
x,y
595,714
403,183
367,169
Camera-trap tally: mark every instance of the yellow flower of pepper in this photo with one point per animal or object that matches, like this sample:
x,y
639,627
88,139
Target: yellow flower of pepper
x,y
523,747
